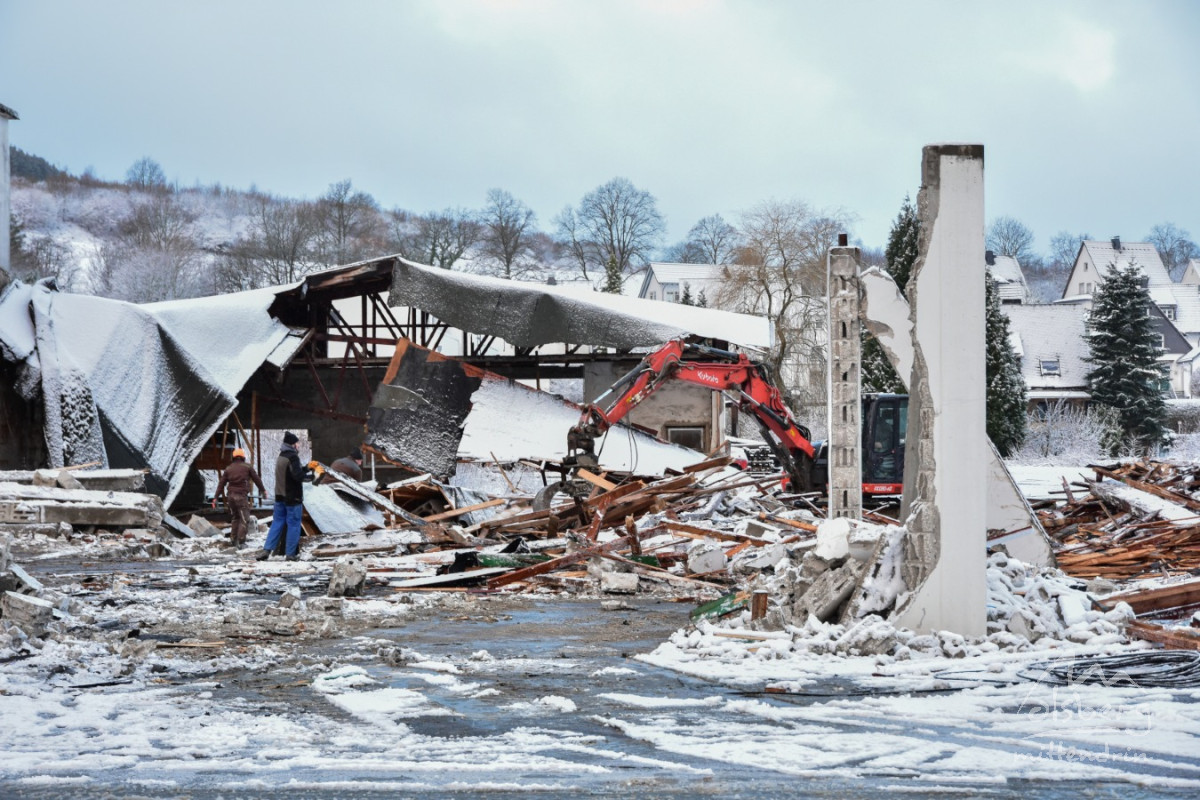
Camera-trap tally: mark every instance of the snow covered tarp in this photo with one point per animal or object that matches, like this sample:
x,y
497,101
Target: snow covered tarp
x,y
532,314
430,411
134,386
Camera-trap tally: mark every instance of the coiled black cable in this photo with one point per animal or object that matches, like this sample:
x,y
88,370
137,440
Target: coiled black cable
x,y
1158,669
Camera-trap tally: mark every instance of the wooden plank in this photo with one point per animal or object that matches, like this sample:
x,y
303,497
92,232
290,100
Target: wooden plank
x,y
351,551
719,461
1171,639
608,498
596,480
694,531
458,512
451,578
791,523
1163,597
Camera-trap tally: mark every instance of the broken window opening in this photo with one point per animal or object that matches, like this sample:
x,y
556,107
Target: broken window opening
x,y
691,436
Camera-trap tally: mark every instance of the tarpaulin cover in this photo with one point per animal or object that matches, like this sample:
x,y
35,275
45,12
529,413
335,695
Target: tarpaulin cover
x,y
531,314
133,386
432,411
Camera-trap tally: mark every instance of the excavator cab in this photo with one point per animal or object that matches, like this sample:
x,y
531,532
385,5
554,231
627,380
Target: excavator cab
x,y
885,428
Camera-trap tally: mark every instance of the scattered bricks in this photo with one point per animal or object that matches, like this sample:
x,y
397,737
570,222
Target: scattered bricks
x,y
812,566
45,477
30,614
829,591
290,598
758,530
329,606
26,583
67,480
202,527
347,579
619,582
763,557
705,557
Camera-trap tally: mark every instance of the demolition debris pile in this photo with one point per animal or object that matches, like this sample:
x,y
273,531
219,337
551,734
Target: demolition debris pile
x,y
1145,522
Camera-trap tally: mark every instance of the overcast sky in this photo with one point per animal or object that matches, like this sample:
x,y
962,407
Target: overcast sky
x,y
1089,111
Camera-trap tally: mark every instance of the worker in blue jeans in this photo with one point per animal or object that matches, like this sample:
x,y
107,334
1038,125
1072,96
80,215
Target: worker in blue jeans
x,y
289,500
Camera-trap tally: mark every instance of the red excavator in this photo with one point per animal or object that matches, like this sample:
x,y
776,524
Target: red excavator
x,y
745,382
748,384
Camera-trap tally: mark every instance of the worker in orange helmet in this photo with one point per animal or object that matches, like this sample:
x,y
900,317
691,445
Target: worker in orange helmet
x,y
235,484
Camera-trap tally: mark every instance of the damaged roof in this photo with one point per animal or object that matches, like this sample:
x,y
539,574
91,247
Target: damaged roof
x,y
134,386
532,314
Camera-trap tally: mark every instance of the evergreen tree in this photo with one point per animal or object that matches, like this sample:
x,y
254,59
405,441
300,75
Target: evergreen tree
x,y
902,246
612,277
1124,356
1005,386
878,375
687,295
702,300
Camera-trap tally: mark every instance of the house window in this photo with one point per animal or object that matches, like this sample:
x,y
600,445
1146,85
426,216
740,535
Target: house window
x,y
671,297
1162,343
654,295
1050,366
687,435
1168,312
1082,287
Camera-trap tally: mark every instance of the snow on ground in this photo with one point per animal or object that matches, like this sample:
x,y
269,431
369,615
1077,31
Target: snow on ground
x,y
1040,482
337,705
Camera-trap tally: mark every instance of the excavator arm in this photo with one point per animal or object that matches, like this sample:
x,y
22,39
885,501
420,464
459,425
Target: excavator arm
x,y
746,383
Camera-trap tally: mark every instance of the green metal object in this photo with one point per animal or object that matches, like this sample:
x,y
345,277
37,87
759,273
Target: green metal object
x,y
727,604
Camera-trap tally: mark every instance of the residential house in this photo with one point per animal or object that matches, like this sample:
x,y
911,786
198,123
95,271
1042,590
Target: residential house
x,y
1010,280
1177,305
669,282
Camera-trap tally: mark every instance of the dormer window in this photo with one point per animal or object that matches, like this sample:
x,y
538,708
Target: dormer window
x,y
1168,312
1049,366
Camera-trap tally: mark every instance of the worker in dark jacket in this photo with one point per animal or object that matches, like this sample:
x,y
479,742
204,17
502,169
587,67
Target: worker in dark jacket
x,y
234,488
350,466
289,500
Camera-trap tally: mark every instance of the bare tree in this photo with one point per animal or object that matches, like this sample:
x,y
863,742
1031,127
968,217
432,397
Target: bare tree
x,y
1008,236
350,226
1064,247
713,239
146,173
615,222
438,239
507,225
779,272
157,255
278,248
1174,245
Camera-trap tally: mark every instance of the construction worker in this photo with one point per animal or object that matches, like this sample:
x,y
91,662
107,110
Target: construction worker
x,y
350,466
289,500
234,488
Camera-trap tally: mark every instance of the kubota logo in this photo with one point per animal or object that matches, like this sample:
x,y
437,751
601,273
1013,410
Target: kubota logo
x,y
708,376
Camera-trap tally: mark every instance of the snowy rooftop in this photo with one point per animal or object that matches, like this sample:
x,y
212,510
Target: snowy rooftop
x,y
1103,256
1049,336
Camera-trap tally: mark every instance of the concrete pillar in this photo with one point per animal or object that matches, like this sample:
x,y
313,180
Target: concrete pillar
x,y
945,471
845,385
6,114
886,315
